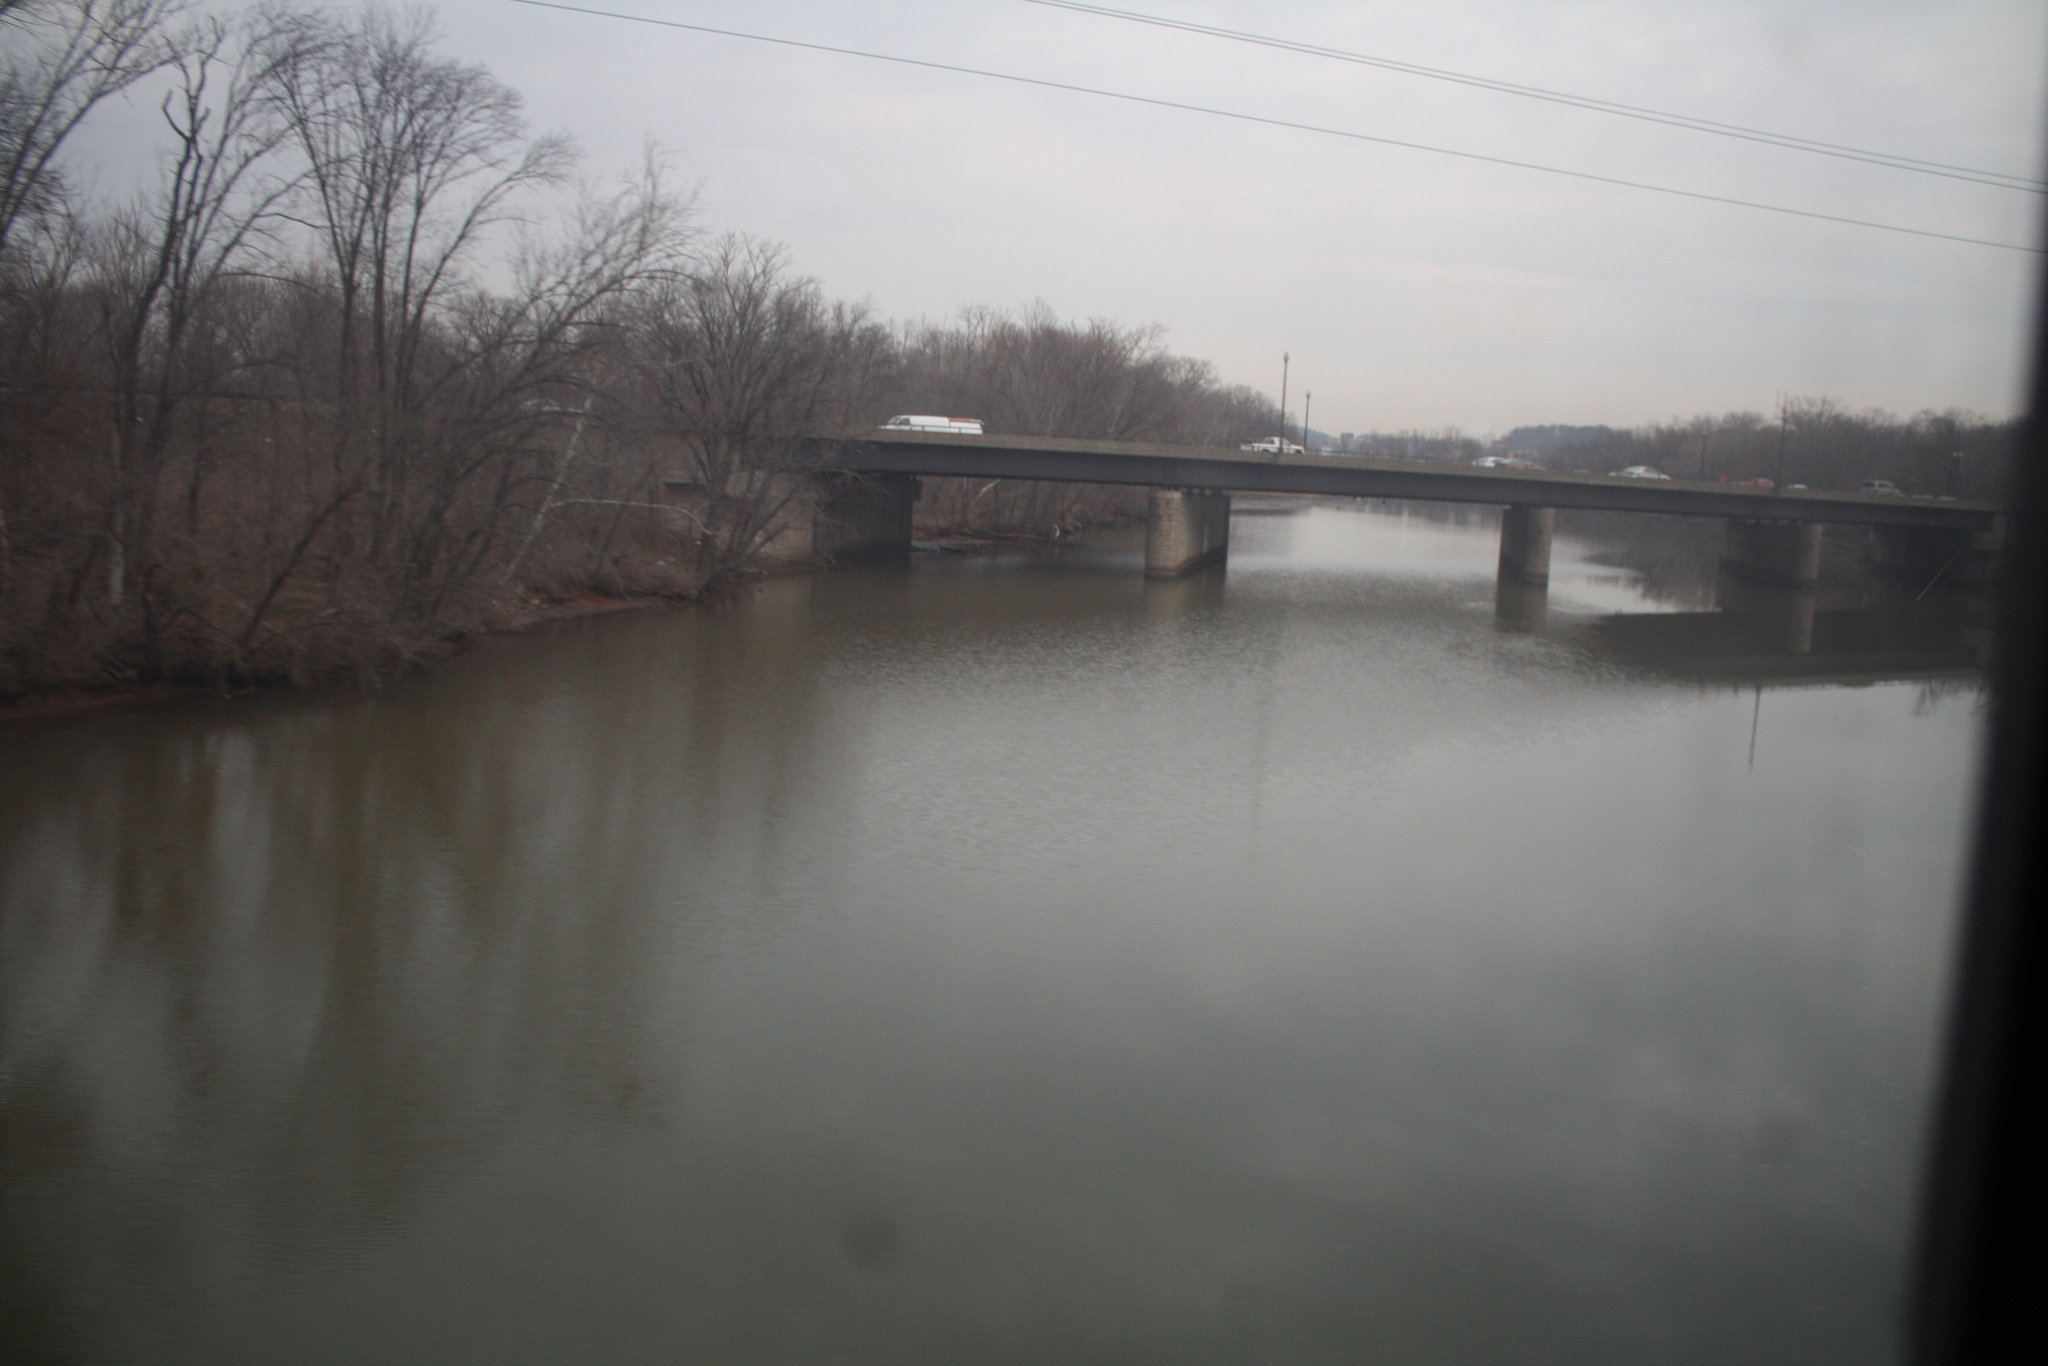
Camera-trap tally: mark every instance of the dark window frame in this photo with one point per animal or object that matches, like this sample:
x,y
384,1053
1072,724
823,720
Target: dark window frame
x,y
1980,1290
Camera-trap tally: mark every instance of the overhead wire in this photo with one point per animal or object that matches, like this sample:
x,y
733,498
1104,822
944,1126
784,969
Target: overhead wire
x,y
1271,122
1891,160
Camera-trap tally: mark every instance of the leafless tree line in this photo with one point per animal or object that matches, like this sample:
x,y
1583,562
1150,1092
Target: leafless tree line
x,y
1446,446
348,379
1811,441
1030,372
1819,443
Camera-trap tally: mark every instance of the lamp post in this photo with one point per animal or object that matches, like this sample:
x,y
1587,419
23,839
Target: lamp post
x,y
1784,418
1307,397
1283,392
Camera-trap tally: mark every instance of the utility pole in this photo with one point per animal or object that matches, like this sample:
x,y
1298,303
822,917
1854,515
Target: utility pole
x,y
1307,397
1784,414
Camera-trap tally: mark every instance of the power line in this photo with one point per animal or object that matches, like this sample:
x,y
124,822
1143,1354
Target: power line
x,y
1893,161
1289,124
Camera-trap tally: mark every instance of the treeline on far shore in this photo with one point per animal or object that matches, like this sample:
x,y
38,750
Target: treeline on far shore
x,y
363,370
1811,441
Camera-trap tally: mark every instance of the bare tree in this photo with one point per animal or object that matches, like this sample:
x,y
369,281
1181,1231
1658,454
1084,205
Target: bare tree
x,y
517,365
410,159
1034,374
162,261
744,359
65,57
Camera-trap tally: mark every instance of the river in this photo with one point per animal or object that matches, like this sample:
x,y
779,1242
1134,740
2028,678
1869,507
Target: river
x,y
995,959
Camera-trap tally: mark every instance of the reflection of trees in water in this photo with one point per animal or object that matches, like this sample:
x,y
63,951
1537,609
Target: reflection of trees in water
x,y
1441,514
270,983
1678,559
1935,692
1674,559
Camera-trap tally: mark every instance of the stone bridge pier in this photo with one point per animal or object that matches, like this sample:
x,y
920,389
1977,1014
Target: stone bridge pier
x,y
1185,529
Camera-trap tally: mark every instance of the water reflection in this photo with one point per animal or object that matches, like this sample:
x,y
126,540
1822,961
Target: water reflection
x,y
1523,607
1780,635
989,960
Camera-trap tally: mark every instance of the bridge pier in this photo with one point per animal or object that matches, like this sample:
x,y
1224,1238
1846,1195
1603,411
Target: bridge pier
x,y
1184,530
1771,577
1521,588
1525,544
1774,554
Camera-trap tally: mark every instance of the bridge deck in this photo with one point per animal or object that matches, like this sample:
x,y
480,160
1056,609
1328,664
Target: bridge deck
x,y
1209,467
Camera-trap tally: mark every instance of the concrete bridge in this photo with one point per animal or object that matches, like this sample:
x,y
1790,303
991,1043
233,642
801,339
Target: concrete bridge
x,y
864,487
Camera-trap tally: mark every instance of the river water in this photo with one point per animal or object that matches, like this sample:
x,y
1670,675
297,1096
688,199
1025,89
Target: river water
x,y
998,959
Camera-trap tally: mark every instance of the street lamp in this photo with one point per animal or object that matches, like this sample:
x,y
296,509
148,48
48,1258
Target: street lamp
x,y
1307,397
1283,393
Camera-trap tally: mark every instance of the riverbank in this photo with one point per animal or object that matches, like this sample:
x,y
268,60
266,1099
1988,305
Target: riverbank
x,y
61,703
69,698
147,650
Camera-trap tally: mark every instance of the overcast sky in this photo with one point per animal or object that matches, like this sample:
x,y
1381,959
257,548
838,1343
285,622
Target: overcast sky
x,y
1411,289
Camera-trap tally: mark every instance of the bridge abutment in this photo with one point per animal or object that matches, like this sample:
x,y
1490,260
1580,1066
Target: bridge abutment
x,y
801,517
857,516
1185,529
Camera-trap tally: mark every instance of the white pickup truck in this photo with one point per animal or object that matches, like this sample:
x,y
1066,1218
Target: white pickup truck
x,y
919,422
1273,445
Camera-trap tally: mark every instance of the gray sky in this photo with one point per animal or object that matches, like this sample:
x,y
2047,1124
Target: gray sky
x,y
1412,290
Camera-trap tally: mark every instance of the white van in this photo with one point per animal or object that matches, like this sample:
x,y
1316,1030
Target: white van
x,y
919,422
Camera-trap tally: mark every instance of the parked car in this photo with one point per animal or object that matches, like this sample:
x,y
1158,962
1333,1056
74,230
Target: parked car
x,y
1273,445
1877,486
1640,472
923,422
